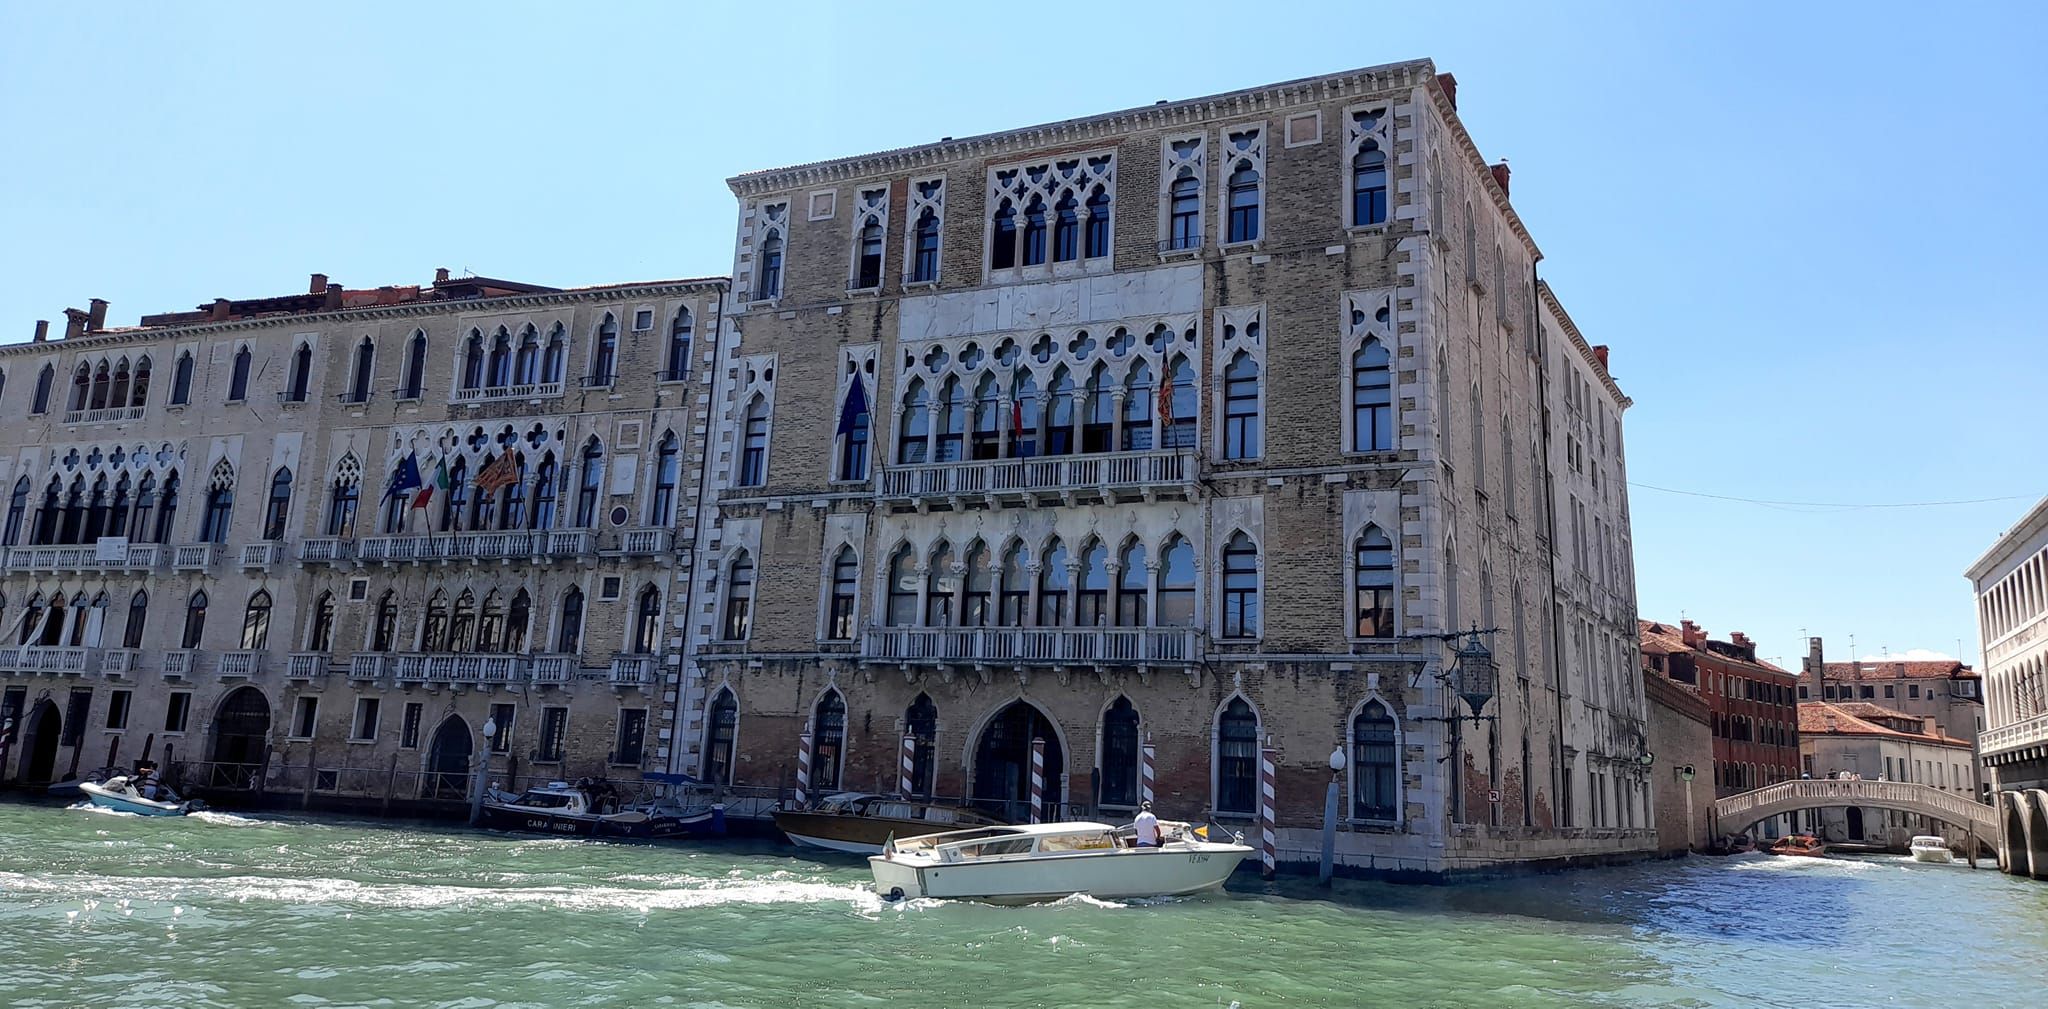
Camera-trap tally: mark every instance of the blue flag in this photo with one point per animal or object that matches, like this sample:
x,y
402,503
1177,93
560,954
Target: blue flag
x,y
407,477
856,407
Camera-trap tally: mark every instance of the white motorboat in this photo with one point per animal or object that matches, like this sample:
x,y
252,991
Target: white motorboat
x,y
1929,848
594,809
119,792
1026,863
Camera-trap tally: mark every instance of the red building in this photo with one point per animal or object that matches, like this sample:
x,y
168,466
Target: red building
x,y
1755,705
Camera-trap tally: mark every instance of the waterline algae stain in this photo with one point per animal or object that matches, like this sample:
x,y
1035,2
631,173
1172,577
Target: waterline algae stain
x,y
222,910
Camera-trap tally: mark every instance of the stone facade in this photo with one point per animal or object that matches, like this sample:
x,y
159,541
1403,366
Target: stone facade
x,y
1753,704
1204,425
1861,739
2011,582
282,619
1681,733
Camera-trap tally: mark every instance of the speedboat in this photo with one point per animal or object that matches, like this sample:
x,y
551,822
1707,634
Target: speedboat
x,y
1027,863
1800,844
119,792
860,823
65,789
1929,848
593,809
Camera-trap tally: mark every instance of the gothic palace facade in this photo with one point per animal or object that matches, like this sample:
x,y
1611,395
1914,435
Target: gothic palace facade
x,y
1206,428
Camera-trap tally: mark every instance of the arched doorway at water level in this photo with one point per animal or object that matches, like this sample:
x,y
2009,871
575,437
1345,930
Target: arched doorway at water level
x,y
241,739
39,737
1855,815
1002,763
448,761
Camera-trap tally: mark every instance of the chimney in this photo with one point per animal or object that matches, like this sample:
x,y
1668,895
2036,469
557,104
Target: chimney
x,y
1450,86
1742,641
1814,666
333,300
440,275
1691,634
42,330
1927,725
1600,351
74,323
96,319
1500,175
219,311
318,285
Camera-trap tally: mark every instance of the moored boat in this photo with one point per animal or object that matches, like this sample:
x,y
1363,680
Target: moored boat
x,y
120,793
1027,863
593,809
1807,845
860,823
1929,848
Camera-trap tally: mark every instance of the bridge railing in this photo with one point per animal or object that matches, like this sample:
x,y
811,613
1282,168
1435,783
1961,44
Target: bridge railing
x,y
1743,808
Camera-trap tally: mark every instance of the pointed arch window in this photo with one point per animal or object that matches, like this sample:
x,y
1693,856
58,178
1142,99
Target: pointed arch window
x,y
1014,602
1100,425
365,364
498,366
604,358
1091,601
543,514
434,628
1133,582
754,445
1177,583
1369,186
924,263
921,724
518,619
1184,212
913,435
1028,413
415,366
483,507
1184,397
979,595
1372,399
238,377
345,497
138,618
220,505
455,497
302,374
490,624
839,617
17,512
1055,585
769,286
1375,765
1237,758
720,733
1095,243
589,484
96,511
195,620
117,394
1140,396
953,408
167,514
98,400
1241,435
1373,574
526,362
277,511
1240,588
989,420
1002,247
556,352
462,623
867,265
320,636
1244,203
901,607
942,587
256,622
1120,754
679,338
668,474
512,497
828,742
1034,232
739,598
45,378
647,621
138,393
854,432
1066,230
473,361
1059,432
384,632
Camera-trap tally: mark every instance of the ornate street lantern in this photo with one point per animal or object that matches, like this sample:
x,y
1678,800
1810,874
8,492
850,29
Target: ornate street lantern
x,y
1475,677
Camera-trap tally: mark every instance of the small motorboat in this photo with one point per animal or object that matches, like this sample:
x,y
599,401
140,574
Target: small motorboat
x,y
1929,848
1807,845
66,789
860,823
1028,863
593,809
120,793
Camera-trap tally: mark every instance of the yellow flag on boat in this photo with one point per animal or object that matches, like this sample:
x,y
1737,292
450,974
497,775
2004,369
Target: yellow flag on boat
x,y
1202,832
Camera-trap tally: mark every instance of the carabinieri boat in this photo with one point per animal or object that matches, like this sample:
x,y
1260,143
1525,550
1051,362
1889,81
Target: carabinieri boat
x,y
593,809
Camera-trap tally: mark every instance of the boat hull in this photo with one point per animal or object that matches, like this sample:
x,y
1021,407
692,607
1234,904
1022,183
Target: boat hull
x,y
1114,875
853,835
106,799
627,827
1933,855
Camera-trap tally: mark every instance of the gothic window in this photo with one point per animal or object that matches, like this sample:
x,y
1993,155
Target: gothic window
x,y
1177,583
924,261
462,623
17,512
1034,232
195,620
1096,243
679,335
1244,204
517,620
1133,582
359,383
167,513
721,732
569,633
1066,230
117,394
1120,754
1184,212
1241,408
754,445
473,361
913,435
839,619
553,356
1014,604
277,511
867,269
974,605
604,358
854,425
986,438
1184,397
1100,425
543,514
526,361
1055,585
1368,174
220,504
320,637
455,497
1140,398
48,377
302,374
921,724
1373,581
415,366
589,483
498,366
1027,414
238,377
1237,759
1059,434
256,622
941,587
1372,402
138,618
1091,601
1002,250
1240,588
647,621
952,421
739,598
1374,764
769,286
901,607
512,505
828,742
384,633
668,474
98,399
138,393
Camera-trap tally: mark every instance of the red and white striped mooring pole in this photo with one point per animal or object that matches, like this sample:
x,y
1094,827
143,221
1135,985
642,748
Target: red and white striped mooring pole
x,y
1038,781
803,770
1147,755
1267,757
906,765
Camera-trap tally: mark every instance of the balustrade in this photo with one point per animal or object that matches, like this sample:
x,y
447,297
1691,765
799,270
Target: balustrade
x,y
64,660
554,668
2025,732
1107,476
412,667
326,550
121,661
1035,645
524,390
195,556
240,664
111,556
305,665
180,663
632,670
104,415
261,555
645,542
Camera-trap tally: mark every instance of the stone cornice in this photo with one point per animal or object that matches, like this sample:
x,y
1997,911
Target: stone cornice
x,y
2009,541
416,309
1477,161
1188,112
1571,329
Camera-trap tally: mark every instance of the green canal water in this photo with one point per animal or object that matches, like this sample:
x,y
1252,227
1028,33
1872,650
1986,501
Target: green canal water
x,y
103,909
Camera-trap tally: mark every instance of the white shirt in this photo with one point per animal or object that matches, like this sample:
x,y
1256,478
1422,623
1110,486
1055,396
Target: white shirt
x,y
1147,826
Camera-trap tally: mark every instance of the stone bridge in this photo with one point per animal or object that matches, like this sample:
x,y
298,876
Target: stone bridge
x,y
1737,812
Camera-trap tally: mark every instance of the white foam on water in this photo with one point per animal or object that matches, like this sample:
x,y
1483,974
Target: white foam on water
x,y
227,819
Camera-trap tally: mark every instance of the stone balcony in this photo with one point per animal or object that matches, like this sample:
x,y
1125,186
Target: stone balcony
x,y
104,415
305,666
262,555
414,667
241,664
326,550
647,542
2017,735
180,663
632,670
120,662
51,660
113,556
1034,646
195,556
499,394
538,544
1063,479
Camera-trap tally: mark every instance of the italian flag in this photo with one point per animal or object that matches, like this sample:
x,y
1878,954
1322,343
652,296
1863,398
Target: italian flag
x,y
438,485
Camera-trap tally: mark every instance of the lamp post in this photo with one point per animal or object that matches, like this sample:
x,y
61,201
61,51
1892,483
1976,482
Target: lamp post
x,y
1475,677
1330,816
482,768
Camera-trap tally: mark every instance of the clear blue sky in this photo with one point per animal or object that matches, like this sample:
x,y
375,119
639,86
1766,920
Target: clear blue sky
x,y
1807,230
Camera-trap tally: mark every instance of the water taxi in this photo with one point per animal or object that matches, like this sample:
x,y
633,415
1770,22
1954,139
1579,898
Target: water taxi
x,y
120,793
1800,844
1027,863
1929,848
859,823
593,809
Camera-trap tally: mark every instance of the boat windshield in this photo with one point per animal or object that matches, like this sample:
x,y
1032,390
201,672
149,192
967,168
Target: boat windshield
x,y
1093,841
544,800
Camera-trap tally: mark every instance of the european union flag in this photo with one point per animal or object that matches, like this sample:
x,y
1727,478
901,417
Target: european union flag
x,y
407,476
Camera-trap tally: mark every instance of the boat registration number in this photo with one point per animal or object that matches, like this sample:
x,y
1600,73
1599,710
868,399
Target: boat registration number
x,y
566,828
1195,859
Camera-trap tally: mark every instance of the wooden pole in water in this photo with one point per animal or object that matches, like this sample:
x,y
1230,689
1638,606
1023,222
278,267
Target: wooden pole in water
x,y
1972,850
1146,774
1268,854
803,770
906,766
1038,780
390,784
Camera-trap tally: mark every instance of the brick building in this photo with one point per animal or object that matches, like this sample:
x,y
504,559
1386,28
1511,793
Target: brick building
x,y
1753,704
1204,423
1682,737
1944,690
211,557
1877,741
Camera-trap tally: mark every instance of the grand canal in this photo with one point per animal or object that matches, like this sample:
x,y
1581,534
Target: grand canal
x,y
219,910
